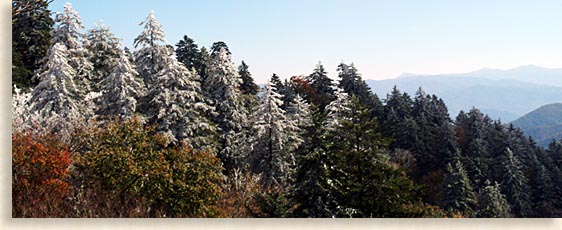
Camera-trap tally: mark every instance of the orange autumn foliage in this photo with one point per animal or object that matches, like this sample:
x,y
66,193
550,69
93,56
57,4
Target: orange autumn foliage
x,y
39,171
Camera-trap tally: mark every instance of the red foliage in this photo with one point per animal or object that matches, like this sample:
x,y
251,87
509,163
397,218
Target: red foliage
x,y
39,171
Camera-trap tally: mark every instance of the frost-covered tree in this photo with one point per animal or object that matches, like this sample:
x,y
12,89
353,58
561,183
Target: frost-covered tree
x,y
151,56
120,90
458,193
299,112
68,32
492,203
175,104
56,93
275,139
514,185
20,108
104,49
222,87
337,110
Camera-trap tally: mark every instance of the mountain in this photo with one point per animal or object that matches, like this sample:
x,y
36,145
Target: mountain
x,y
543,124
502,94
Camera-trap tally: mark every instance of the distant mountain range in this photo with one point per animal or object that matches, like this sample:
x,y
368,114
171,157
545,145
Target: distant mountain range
x,y
502,94
543,124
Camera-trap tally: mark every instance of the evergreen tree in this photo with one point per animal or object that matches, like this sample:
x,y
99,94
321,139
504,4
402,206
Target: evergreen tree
x,y
364,183
222,86
31,37
322,86
104,49
300,113
68,32
248,86
56,94
514,185
151,57
120,90
216,48
275,140
459,195
187,52
492,203
352,83
177,107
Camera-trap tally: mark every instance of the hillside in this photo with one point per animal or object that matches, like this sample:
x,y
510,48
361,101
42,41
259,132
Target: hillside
x,y
503,94
543,124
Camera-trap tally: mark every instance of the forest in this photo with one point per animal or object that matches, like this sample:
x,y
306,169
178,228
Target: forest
x,y
180,130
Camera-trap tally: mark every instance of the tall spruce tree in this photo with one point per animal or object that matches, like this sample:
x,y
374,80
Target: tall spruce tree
x,y
322,86
104,49
68,32
492,203
248,86
120,90
31,39
458,193
152,52
275,140
187,52
352,83
514,185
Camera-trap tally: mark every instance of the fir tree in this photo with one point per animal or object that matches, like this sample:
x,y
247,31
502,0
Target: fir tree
x,y
352,83
31,37
56,94
120,90
459,195
68,32
322,86
275,140
104,51
248,86
492,203
151,56
216,48
187,52
514,185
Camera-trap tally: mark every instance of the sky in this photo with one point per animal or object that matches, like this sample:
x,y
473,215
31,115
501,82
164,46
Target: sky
x,y
384,39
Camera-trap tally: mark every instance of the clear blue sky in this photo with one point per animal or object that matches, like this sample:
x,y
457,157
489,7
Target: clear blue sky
x,y
382,38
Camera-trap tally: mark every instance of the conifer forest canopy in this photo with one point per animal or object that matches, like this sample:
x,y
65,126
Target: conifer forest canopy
x,y
179,130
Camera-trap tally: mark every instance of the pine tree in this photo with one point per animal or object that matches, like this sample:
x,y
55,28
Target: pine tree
x,y
177,107
222,86
352,83
152,55
275,140
68,32
216,48
322,86
514,185
104,49
56,94
31,37
120,90
459,195
248,86
299,112
492,203
187,52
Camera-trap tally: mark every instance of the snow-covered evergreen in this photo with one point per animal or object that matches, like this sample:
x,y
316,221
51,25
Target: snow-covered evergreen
x,y
175,104
104,49
275,138
151,56
299,112
337,109
68,32
56,93
20,108
120,90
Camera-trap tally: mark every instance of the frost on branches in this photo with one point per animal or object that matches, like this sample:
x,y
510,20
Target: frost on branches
x,y
299,112
67,31
275,139
20,109
151,56
337,109
104,51
120,90
175,104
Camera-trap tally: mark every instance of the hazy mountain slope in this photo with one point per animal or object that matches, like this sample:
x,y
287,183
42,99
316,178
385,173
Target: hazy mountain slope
x,y
505,94
543,124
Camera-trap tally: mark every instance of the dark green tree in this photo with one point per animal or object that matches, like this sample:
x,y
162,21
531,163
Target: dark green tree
x,y
31,38
188,53
322,86
248,86
458,193
514,185
492,203
215,48
352,83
